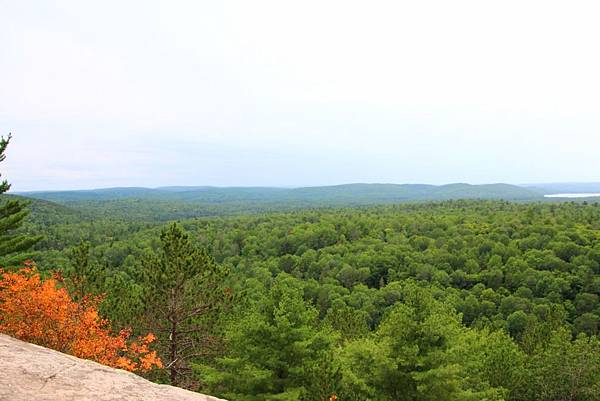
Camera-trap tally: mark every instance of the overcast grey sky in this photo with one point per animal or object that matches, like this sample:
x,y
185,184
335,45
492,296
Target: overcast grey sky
x,y
290,93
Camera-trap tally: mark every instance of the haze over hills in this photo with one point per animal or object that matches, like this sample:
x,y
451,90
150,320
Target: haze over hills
x,y
336,194
177,202
566,187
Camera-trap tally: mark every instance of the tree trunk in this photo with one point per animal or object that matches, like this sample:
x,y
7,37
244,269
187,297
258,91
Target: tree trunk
x,y
173,339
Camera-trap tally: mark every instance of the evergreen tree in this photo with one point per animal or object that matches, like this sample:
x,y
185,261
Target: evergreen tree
x,y
276,351
420,352
12,214
184,292
83,275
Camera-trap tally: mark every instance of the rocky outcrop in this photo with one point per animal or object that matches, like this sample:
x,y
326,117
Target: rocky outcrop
x,y
30,372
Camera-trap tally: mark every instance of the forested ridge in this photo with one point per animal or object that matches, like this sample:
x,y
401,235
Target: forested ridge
x,y
170,203
451,300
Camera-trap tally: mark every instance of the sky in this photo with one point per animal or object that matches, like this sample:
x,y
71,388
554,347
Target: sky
x,y
298,93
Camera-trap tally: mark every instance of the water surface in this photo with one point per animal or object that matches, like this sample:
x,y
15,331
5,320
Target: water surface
x,y
574,195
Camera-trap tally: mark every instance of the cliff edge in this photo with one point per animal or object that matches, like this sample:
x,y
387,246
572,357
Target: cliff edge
x,y
30,372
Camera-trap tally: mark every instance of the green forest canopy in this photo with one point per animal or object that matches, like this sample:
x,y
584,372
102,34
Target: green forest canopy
x,y
448,300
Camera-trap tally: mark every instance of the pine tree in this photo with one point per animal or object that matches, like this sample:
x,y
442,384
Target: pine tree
x,y
83,275
12,214
276,351
184,293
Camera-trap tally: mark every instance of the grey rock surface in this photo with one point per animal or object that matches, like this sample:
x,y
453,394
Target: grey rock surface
x,y
30,372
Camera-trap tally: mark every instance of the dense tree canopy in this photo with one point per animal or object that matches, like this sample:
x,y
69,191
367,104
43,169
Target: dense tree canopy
x,y
458,300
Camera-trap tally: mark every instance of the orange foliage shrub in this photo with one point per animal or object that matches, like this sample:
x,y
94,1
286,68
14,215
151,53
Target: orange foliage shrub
x,y
42,312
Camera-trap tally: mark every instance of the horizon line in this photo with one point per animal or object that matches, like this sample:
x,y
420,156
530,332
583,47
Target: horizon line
x,y
524,185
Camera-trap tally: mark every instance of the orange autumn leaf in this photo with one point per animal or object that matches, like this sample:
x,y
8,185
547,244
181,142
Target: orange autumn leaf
x,y
42,312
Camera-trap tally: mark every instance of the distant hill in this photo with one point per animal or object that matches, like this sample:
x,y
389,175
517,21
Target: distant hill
x,y
565,187
351,194
46,212
41,205
179,202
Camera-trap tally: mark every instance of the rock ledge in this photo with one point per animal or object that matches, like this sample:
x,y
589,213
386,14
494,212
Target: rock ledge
x,y
30,372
